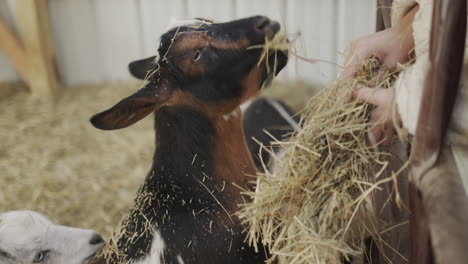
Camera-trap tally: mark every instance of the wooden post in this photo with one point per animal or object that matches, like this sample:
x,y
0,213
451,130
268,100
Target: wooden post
x,y
33,22
14,50
447,45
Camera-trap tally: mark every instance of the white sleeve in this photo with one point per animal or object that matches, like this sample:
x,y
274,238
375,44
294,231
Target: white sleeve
x,y
410,83
409,89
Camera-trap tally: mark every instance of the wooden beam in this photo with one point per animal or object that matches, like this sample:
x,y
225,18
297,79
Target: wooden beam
x,y
13,49
421,247
33,22
431,202
446,51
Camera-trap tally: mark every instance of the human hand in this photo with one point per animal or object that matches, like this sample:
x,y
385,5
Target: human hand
x,y
390,46
381,117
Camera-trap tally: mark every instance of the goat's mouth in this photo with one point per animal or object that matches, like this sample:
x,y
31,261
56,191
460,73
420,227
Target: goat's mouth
x,y
89,258
277,60
273,49
275,45
273,28
269,45
277,51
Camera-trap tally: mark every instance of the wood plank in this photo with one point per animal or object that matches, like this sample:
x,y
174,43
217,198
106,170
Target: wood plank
x,y
13,49
436,238
33,22
7,13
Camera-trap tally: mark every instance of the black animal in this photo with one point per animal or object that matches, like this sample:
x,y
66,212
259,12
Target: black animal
x,y
266,120
183,212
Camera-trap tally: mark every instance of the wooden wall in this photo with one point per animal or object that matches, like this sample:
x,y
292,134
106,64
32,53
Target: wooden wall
x,y
96,39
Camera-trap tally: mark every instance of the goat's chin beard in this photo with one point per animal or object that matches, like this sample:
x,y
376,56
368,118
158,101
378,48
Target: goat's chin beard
x,y
89,258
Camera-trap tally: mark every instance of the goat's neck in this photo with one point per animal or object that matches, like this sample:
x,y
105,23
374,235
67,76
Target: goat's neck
x,y
198,162
234,161
197,147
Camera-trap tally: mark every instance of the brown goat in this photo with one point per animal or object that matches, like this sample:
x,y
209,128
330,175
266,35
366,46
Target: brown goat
x,y
183,212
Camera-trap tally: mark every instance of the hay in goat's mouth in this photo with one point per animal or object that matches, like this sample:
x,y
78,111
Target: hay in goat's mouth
x,y
281,43
270,48
313,208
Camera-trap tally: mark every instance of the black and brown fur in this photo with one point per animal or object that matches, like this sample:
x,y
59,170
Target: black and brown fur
x,y
203,73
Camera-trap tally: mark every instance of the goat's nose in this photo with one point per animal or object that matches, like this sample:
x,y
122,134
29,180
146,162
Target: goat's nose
x,y
266,27
96,239
262,24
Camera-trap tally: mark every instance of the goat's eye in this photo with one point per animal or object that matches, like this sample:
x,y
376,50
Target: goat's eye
x,y
197,55
40,256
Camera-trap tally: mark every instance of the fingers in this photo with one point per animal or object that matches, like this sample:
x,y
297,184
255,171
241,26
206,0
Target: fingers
x,y
359,50
375,133
380,132
388,134
379,97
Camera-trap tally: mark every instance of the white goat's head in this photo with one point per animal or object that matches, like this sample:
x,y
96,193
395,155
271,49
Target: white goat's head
x,y
29,237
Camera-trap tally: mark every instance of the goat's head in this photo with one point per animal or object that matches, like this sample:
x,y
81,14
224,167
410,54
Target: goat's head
x,y
29,237
207,66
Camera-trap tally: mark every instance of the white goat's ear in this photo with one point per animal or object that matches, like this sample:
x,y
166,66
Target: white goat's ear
x,y
141,68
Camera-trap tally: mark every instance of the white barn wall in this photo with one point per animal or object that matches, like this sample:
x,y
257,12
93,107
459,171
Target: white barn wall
x,y
155,15
355,18
119,36
214,9
96,39
77,47
315,20
275,9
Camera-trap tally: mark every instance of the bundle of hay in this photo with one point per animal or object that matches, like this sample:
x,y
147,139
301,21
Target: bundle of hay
x,y
315,206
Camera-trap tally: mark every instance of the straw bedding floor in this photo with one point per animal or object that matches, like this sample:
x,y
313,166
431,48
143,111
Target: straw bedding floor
x,y
53,161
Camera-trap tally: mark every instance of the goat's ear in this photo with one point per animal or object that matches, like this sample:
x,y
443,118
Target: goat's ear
x,y
133,108
139,68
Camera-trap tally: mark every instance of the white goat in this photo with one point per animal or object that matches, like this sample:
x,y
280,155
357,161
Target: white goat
x,y
29,237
